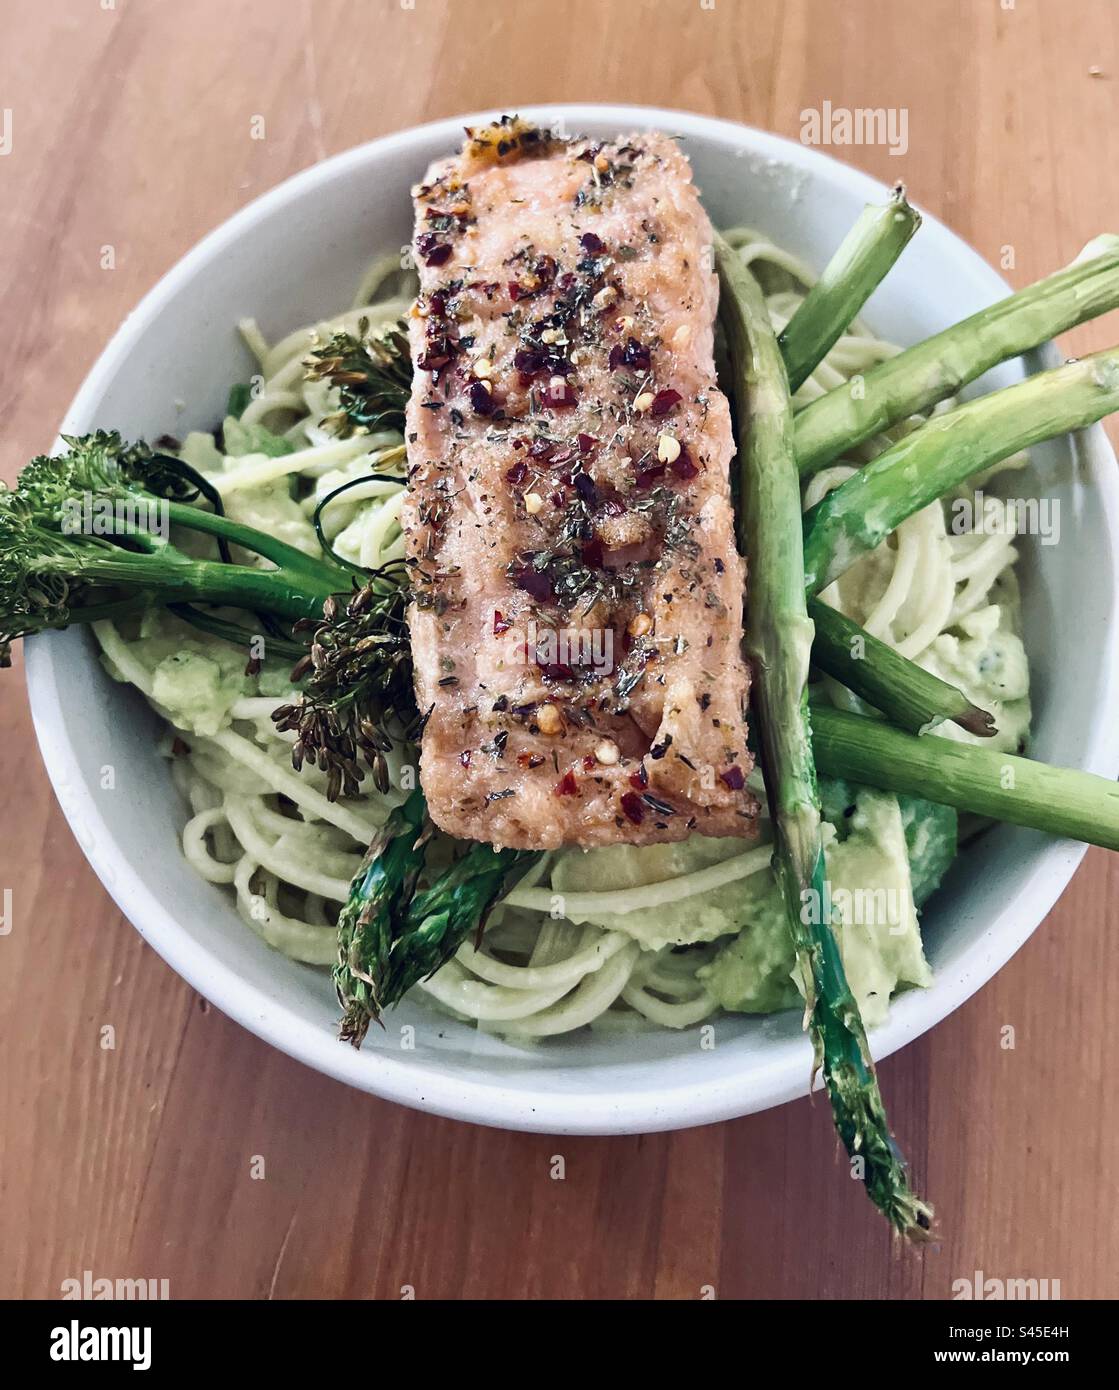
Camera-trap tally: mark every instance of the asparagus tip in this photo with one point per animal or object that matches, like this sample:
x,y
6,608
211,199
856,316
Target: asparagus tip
x,y
355,1021
864,1131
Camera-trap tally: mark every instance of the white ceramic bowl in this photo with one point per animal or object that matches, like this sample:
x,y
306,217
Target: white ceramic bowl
x,y
294,256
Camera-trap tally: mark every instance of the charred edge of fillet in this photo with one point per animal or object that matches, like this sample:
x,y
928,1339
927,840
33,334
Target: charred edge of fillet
x,y
509,136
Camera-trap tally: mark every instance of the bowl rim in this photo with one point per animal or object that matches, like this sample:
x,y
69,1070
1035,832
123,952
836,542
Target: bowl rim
x,y
696,1101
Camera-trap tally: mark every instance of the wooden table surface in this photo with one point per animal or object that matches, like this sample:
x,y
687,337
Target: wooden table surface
x,y
130,129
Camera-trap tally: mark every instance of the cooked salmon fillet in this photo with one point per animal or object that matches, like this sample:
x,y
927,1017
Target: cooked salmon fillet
x,y
577,612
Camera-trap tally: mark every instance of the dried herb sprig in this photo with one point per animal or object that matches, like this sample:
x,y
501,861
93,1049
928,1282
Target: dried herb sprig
x,y
373,374
357,689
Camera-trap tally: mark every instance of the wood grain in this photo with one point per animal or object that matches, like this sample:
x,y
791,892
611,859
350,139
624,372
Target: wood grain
x,y
130,129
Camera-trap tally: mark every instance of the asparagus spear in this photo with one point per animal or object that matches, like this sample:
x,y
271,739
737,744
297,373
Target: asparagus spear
x,y
1059,800
909,696
389,935
442,916
852,275
779,639
938,367
366,925
946,451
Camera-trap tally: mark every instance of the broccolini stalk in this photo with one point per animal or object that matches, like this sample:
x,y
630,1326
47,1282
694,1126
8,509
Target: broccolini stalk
x,y
1058,800
852,275
937,368
909,696
778,642
235,633
945,452
86,536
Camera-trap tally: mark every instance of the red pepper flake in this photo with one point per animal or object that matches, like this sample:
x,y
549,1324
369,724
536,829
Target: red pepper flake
x,y
648,476
440,256
591,244
480,399
530,760
518,473
566,786
586,442
733,778
663,401
632,354
683,466
583,484
639,779
633,807
464,757
499,623
528,361
433,251
533,582
555,671
592,555
590,762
